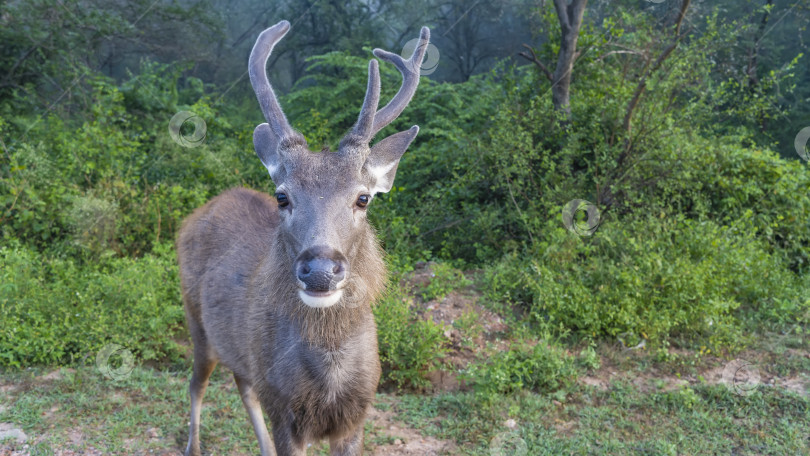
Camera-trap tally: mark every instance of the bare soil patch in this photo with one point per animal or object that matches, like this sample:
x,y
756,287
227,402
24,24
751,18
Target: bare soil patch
x,y
399,440
483,327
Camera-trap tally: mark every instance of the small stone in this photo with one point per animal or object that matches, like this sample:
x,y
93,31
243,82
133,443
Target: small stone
x,y
397,442
8,431
510,423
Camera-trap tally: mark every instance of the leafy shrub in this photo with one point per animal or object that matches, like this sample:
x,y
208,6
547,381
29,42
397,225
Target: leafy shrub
x,y
55,312
444,278
410,347
542,367
118,153
649,278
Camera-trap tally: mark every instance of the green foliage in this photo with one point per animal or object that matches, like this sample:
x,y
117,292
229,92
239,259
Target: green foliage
x,y
120,167
649,278
470,327
54,48
56,311
444,278
540,367
410,347
588,358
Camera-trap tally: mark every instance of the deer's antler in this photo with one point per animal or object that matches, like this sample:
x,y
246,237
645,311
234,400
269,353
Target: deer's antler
x,y
261,85
372,121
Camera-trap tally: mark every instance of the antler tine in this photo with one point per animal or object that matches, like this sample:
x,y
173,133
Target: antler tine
x,y
365,122
410,79
261,85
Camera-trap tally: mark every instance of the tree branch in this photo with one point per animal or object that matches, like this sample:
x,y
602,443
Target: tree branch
x,y
642,84
681,15
562,14
533,58
602,57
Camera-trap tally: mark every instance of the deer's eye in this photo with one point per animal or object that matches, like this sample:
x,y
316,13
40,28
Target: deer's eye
x,y
362,200
282,199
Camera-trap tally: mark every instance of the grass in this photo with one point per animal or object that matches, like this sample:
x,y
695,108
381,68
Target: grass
x,y
145,412
708,419
639,410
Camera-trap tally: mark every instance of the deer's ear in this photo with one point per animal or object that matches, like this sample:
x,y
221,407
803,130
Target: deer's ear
x,y
266,144
383,159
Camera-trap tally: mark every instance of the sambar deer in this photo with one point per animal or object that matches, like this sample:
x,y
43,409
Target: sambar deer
x,y
280,290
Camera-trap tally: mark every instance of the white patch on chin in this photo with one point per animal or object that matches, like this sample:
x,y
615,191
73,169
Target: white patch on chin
x,y
320,301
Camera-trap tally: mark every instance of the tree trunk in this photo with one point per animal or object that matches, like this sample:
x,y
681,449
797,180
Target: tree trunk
x,y
570,17
753,54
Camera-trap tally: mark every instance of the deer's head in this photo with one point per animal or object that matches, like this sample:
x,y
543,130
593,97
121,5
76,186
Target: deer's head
x,y
323,196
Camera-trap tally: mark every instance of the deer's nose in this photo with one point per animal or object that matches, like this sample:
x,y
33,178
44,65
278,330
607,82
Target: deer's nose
x,y
321,269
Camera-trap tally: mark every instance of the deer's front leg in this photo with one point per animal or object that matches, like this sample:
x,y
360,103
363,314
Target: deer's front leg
x,y
203,366
286,441
254,410
351,445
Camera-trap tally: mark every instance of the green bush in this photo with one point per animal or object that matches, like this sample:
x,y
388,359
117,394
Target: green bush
x,y
444,278
542,367
410,347
649,278
55,311
70,172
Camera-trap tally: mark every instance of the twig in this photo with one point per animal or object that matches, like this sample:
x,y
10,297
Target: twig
x,y
601,57
520,213
445,226
533,58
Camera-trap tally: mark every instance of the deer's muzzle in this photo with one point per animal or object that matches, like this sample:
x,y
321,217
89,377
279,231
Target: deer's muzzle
x,y
321,272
